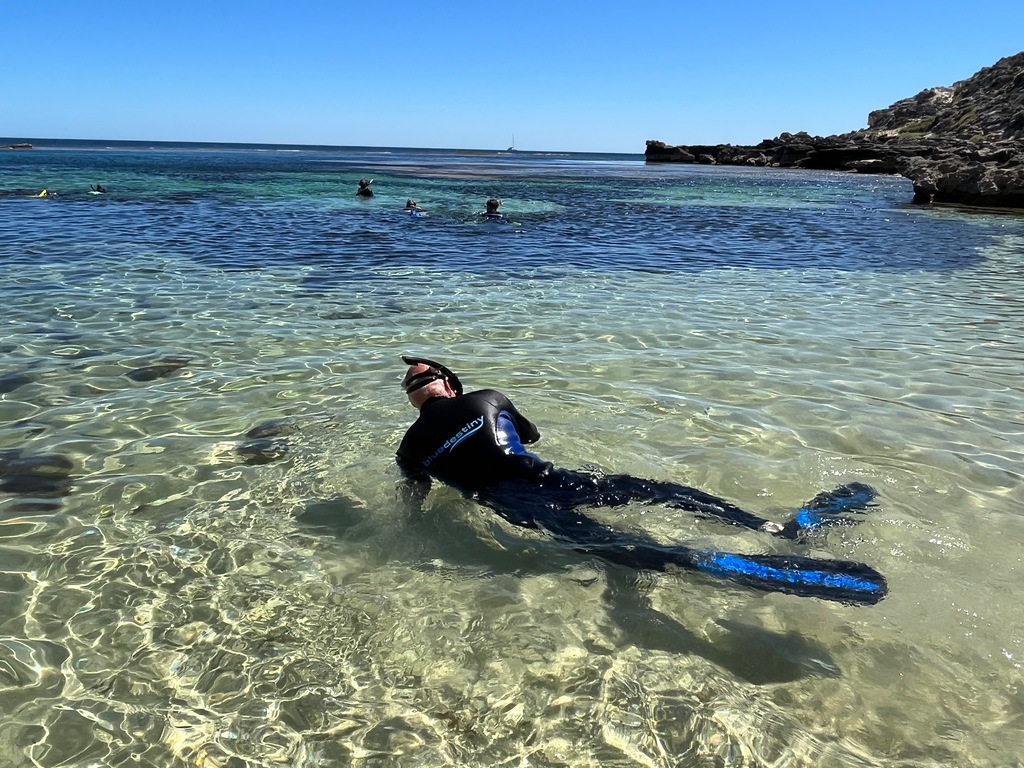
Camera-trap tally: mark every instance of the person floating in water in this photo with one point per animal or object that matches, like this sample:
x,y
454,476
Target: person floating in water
x,y
413,208
491,209
364,188
98,188
475,443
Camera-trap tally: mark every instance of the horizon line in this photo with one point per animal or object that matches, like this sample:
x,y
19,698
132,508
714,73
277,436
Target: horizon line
x,y
7,141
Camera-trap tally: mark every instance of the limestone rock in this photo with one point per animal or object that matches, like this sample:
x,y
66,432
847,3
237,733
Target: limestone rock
x,y
957,144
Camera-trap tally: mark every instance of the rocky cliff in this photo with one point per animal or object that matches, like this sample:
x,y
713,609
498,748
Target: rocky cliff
x,y
958,144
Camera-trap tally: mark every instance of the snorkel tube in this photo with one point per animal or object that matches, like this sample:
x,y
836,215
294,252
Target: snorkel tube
x,y
445,372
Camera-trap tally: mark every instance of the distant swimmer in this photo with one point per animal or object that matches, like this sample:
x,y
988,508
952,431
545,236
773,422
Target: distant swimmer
x,y
491,209
413,208
364,188
98,188
475,442
46,193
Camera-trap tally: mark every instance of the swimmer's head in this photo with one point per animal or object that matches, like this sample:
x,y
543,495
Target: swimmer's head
x,y
426,379
493,204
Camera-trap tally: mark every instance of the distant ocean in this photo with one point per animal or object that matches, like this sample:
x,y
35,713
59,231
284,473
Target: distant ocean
x,y
203,560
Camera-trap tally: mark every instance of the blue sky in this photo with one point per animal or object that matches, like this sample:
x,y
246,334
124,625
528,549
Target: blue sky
x,y
558,75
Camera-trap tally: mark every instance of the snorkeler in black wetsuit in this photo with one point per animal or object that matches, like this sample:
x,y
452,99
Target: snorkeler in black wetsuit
x,y
475,442
491,209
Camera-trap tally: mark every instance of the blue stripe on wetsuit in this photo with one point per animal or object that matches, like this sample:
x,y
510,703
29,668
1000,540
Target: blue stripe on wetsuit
x,y
508,436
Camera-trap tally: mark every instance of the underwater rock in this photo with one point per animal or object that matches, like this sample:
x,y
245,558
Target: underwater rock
x,y
151,372
342,314
264,450
335,515
43,475
274,428
11,381
266,441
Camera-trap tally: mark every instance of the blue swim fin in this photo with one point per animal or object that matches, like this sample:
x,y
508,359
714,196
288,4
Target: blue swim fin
x,y
842,581
830,508
838,580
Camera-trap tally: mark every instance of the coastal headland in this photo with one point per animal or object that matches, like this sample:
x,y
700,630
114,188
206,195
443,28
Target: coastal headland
x,y
961,144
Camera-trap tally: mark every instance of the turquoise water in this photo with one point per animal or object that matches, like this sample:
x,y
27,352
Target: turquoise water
x,y
181,591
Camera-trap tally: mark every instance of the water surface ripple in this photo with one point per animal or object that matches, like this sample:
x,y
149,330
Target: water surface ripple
x,y
203,559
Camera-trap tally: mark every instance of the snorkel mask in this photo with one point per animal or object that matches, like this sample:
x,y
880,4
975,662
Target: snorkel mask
x,y
436,372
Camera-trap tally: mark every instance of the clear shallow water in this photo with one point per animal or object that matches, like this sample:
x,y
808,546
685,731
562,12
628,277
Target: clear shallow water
x,y
761,335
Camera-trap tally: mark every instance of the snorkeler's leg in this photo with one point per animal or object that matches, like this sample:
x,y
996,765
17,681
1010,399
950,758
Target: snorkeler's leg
x,y
549,503
838,580
830,508
615,490
532,506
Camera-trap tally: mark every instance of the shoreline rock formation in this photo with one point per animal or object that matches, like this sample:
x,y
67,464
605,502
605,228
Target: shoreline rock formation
x,y
958,144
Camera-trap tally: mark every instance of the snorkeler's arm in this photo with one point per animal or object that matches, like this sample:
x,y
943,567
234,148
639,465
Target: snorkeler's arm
x,y
528,432
413,485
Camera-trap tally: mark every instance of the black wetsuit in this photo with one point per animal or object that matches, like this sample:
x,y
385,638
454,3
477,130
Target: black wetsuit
x,y
475,441
472,442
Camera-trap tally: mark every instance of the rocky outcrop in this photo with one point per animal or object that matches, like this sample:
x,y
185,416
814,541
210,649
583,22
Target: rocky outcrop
x,y
958,144
850,152
916,113
990,175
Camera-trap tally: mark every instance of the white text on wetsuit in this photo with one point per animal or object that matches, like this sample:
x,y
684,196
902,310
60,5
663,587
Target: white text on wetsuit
x,y
455,439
